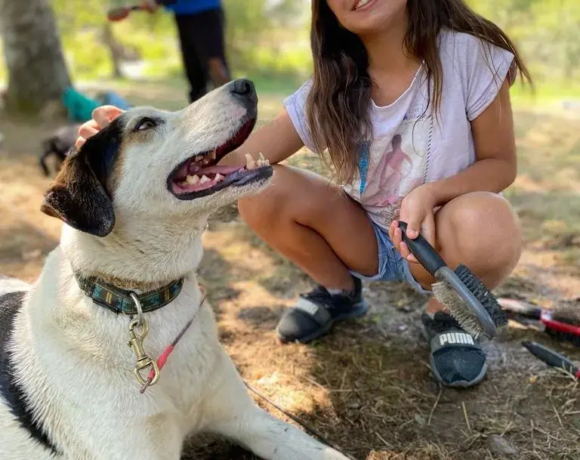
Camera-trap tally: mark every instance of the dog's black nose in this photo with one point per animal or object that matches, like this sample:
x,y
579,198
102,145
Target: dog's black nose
x,y
244,89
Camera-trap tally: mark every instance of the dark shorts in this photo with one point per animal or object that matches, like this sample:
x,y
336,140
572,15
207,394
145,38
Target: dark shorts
x,y
392,266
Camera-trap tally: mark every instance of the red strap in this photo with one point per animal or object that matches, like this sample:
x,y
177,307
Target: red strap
x,y
162,360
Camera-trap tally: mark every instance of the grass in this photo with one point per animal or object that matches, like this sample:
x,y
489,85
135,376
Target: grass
x,y
545,94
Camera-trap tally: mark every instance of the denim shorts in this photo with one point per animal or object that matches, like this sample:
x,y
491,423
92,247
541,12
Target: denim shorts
x,y
392,267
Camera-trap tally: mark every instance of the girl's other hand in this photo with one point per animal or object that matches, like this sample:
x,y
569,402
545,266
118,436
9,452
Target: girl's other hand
x,y
102,116
417,210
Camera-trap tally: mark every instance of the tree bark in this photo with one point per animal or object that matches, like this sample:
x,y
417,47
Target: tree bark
x,y
37,72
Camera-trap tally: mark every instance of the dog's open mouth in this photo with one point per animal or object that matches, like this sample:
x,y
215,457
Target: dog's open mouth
x,y
200,175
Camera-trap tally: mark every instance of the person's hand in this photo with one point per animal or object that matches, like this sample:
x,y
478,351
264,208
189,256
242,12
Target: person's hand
x,y
417,210
102,116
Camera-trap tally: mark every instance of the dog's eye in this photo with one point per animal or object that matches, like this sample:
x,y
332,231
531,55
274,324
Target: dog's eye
x,y
144,124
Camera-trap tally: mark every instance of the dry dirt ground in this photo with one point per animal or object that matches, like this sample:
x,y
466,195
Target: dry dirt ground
x,y
367,387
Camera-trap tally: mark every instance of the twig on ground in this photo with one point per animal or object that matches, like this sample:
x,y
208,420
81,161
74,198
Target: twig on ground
x,y
506,429
556,412
387,445
466,417
313,382
435,405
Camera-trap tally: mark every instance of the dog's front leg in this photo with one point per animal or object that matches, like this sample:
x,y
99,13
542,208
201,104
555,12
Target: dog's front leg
x,y
233,414
272,439
157,437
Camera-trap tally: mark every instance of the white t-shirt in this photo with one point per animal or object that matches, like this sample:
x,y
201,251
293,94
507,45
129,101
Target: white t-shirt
x,y
411,146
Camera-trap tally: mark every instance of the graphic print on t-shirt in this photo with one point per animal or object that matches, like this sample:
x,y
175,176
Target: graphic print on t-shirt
x,y
392,166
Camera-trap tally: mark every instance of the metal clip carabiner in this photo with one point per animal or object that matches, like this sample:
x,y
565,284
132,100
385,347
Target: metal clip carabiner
x,y
144,363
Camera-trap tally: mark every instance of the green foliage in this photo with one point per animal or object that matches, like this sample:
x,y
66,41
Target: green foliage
x,y
261,38
269,39
93,61
546,32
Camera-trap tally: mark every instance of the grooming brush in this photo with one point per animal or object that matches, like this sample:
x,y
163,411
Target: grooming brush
x,y
552,358
562,323
468,300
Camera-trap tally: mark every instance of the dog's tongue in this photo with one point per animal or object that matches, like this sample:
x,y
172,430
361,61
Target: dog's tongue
x,y
192,168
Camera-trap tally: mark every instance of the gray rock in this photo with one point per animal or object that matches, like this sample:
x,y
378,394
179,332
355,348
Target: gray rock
x,y
501,446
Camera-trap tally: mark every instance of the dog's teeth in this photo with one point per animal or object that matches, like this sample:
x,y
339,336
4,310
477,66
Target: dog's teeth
x,y
192,179
204,179
262,161
219,177
213,155
199,158
250,162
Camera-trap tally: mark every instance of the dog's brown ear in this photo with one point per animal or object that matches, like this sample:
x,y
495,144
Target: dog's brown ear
x,y
78,196
79,199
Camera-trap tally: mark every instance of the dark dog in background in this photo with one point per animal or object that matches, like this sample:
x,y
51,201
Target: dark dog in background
x,y
58,145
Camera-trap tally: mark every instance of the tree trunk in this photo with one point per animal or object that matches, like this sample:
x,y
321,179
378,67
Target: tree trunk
x,y
37,72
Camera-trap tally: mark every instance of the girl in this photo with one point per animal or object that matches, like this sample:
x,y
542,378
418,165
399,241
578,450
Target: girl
x,y
410,100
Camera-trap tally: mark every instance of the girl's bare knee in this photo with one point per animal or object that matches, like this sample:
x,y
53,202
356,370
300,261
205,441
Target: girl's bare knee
x,y
267,206
484,231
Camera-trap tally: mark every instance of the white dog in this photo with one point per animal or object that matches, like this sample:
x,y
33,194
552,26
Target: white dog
x,y
135,200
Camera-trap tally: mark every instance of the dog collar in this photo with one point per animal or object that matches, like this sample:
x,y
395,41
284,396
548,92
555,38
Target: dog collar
x,y
119,300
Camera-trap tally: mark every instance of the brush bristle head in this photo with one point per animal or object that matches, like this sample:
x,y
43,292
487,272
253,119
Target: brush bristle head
x,y
445,294
568,313
485,297
564,337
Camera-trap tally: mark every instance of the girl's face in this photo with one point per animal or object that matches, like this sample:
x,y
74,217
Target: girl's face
x,y
364,17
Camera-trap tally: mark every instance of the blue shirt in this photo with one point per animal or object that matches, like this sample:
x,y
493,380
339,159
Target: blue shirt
x,y
192,6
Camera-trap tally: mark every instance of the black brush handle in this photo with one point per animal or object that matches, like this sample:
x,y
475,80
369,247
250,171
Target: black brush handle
x,y
551,357
423,251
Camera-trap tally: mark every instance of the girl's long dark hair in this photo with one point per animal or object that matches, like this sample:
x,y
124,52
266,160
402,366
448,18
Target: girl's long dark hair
x,y
338,105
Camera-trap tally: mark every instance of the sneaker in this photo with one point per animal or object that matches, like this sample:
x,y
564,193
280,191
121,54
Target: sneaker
x,y
316,312
457,359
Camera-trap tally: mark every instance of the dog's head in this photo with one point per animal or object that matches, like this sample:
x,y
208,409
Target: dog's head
x,y
160,165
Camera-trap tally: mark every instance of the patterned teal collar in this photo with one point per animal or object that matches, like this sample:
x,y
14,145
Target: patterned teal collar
x,y
119,300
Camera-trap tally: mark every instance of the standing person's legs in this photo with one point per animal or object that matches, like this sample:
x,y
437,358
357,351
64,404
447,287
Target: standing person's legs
x,y
209,40
195,71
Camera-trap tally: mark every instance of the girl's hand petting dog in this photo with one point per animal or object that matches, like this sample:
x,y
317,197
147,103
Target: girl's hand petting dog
x,y
102,116
418,211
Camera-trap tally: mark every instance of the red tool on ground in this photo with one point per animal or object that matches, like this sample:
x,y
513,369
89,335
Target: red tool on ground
x,y
562,323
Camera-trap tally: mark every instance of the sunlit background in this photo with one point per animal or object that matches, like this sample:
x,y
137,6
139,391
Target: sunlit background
x,y
268,40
